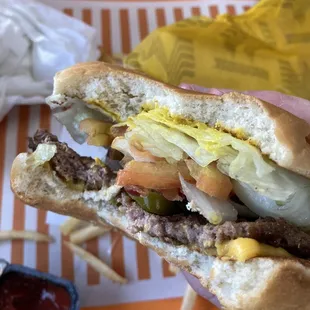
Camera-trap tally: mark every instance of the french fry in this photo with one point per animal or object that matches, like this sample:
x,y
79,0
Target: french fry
x,y
189,298
26,235
87,233
96,263
69,226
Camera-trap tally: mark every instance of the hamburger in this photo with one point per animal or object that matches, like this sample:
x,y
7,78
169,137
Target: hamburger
x,y
217,185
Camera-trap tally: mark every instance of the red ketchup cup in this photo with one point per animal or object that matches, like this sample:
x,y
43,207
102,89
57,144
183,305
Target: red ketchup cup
x,y
23,288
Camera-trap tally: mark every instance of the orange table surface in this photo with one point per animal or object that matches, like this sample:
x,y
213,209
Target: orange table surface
x,y
166,304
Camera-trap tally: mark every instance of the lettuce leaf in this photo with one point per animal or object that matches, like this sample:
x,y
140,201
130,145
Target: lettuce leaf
x,y
153,142
44,153
172,138
169,143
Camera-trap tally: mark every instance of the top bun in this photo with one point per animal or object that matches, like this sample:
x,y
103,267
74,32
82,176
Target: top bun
x,y
121,93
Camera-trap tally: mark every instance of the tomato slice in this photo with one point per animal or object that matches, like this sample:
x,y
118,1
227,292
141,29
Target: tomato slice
x,y
210,180
158,175
149,175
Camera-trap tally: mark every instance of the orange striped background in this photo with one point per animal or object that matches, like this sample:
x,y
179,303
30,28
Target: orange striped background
x,y
3,125
17,255
107,37
42,248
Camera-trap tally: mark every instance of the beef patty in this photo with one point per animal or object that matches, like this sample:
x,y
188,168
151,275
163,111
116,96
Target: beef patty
x,y
70,166
192,230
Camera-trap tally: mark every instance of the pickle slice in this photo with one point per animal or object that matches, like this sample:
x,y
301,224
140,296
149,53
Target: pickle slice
x,y
155,203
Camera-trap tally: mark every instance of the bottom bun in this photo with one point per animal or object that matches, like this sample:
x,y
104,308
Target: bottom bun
x,y
260,283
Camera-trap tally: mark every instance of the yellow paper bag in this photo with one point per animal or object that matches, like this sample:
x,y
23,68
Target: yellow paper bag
x,y
266,48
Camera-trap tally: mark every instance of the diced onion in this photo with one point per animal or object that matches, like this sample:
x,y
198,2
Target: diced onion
x,y
296,210
244,211
122,145
214,210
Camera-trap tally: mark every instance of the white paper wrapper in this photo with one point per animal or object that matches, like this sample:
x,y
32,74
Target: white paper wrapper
x,y
36,41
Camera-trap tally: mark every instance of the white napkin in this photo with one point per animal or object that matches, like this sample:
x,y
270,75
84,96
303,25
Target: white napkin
x,y
36,41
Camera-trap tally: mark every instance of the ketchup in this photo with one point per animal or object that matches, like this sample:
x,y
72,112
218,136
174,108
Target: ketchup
x,y
24,292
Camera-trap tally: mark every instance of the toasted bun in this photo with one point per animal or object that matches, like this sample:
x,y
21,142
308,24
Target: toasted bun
x,y
258,284
121,93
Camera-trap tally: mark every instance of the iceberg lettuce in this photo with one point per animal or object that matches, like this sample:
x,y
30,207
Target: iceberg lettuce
x,y
175,138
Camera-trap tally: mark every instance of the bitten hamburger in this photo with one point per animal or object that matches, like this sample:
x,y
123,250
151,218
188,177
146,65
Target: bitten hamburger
x,y
217,185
